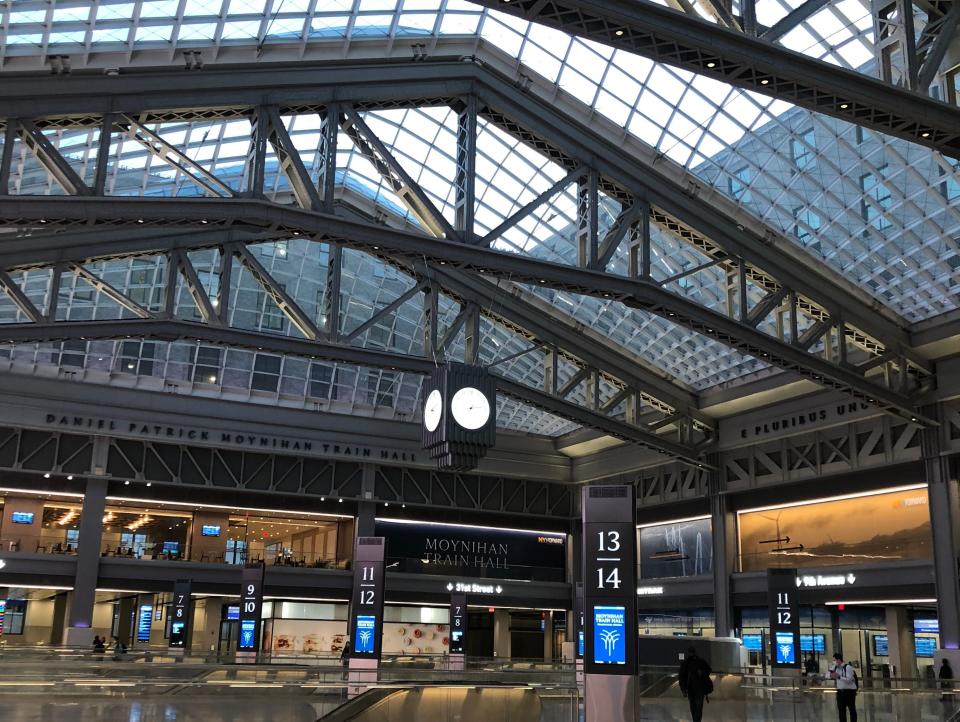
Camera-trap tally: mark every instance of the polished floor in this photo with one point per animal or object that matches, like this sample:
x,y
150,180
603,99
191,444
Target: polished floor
x,y
273,708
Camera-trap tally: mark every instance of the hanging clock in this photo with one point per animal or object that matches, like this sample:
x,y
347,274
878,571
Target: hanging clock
x,y
459,415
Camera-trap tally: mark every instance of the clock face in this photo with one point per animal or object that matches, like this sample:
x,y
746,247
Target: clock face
x,y
471,409
432,410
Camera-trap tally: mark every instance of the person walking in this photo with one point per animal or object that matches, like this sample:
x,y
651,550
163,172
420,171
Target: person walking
x,y
695,682
946,679
847,686
99,646
811,670
119,649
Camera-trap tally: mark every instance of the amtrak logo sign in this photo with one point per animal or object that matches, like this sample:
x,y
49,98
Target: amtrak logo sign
x,y
473,588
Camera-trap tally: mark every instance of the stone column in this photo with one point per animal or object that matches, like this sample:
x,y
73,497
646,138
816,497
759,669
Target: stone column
x,y
903,658
944,506
80,619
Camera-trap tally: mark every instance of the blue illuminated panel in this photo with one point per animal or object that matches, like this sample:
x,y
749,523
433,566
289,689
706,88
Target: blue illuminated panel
x,y
144,620
22,517
881,645
926,626
233,612
365,637
248,634
786,650
209,530
925,646
813,643
753,642
609,635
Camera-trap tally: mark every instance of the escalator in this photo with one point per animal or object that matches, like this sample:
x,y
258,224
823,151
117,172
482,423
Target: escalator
x,y
440,703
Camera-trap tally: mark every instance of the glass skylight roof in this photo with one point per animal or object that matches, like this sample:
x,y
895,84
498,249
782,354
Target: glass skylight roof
x,y
882,212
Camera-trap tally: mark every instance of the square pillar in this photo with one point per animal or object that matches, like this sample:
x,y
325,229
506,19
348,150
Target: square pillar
x,y
79,630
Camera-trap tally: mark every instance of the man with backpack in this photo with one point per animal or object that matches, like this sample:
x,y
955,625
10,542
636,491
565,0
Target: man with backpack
x,y
695,682
847,686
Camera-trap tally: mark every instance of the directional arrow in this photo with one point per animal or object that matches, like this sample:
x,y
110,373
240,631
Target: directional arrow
x,y
798,548
450,586
851,578
785,540
499,589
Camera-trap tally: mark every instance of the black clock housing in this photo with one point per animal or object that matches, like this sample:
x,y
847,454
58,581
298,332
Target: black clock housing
x,y
451,445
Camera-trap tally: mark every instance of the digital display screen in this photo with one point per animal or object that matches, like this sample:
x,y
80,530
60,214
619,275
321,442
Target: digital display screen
x,y
609,635
813,643
365,634
881,645
248,634
210,530
22,517
233,612
786,649
176,634
3,612
925,646
171,547
580,645
753,642
926,626
144,619
456,639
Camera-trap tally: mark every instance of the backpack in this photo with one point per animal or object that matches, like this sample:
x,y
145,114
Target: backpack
x,y
856,679
698,677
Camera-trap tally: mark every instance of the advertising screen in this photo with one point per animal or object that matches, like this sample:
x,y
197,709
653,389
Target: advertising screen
x,y
144,620
364,634
881,645
786,651
233,612
248,634
22,517
580,645
209,530
753,642
609,635
925,646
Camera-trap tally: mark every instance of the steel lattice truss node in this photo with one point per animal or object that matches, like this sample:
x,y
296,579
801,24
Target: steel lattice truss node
x,y
605,225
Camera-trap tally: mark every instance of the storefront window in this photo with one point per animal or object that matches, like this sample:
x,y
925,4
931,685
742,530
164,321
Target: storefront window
x,y
868,528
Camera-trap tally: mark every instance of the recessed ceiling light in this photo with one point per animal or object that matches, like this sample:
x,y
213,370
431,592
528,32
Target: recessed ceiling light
x,y
711,64
46,476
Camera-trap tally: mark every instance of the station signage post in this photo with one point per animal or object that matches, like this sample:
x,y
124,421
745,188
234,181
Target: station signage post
x,y
784,618
610,603
458,631
366,612
180,617
251,605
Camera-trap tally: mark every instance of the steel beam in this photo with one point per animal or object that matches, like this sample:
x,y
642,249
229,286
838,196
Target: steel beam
x,y
51,159
435,79
170,330
793,18
636,293
674,38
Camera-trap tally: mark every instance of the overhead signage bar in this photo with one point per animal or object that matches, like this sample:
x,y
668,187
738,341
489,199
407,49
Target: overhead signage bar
x,y
817,581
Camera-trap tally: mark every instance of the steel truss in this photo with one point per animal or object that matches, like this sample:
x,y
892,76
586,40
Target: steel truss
x,y
844,343
56,452
746,61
